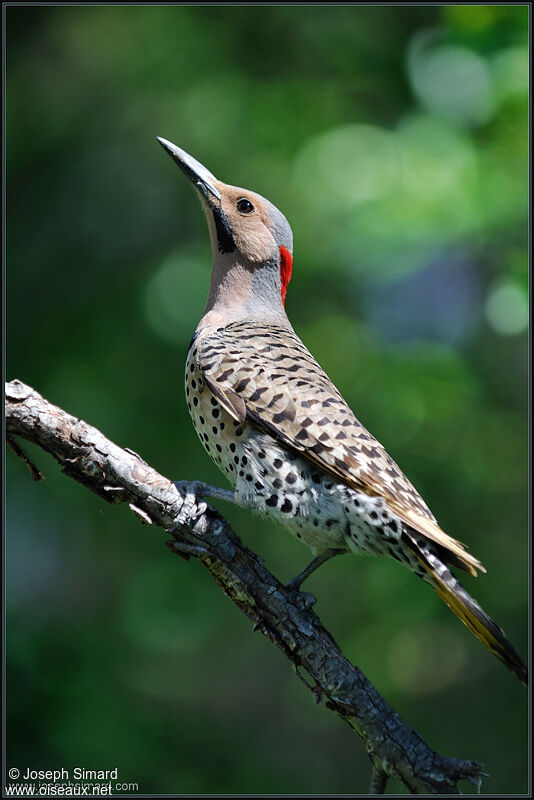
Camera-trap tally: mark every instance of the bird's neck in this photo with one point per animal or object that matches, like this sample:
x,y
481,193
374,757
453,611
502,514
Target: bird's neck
x,y
240,291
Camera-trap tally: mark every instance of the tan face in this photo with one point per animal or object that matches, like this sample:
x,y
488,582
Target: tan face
x,y
237,219
249,221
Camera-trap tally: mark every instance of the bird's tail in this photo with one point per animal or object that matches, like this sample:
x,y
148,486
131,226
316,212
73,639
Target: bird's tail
x,y
465,607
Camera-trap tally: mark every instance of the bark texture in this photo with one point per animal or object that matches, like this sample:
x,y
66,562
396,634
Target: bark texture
x,y
286,618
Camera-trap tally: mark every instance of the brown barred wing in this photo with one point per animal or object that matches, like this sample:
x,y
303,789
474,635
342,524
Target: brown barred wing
x,y
265,372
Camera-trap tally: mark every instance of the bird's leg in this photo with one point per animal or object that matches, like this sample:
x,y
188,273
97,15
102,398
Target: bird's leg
x,y
295,583
191,507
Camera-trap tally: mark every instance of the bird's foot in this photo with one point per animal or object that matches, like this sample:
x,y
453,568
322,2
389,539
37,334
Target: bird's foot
x,y
295,583
193,505
304,600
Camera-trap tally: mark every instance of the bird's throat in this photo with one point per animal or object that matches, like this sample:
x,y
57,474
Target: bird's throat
x,y
239,292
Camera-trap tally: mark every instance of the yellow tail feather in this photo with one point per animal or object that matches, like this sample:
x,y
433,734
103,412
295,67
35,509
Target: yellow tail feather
x,y
464,606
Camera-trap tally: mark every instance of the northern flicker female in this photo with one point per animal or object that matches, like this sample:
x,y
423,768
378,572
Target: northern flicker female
x,y
278,428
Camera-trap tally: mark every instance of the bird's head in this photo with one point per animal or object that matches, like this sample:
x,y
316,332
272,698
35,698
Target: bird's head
x,y
249,235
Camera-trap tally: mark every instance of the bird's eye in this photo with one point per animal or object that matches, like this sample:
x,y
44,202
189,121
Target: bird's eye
x,y
244,206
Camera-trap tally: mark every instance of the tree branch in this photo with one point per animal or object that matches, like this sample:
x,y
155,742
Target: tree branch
x,y
284,617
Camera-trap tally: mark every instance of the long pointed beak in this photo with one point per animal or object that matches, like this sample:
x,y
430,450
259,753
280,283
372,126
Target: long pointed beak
x,y
193,169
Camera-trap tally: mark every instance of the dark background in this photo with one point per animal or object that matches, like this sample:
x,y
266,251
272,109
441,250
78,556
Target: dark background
x,y
395,141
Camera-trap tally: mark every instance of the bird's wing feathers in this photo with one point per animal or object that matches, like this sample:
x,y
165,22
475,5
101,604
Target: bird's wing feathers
x,y
269,377
228,399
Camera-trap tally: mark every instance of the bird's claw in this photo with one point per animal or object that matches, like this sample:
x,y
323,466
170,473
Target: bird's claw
x,y
192,506
304,600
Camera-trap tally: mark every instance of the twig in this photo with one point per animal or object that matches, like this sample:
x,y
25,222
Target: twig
x,y
379,780
17,449
284,617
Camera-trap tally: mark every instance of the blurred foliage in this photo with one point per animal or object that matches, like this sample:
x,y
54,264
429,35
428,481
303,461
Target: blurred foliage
x,y
395,140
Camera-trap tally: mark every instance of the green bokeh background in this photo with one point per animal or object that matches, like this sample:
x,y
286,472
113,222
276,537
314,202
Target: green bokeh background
x,y
395,140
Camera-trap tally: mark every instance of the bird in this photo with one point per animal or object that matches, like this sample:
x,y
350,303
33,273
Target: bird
x,y
281,432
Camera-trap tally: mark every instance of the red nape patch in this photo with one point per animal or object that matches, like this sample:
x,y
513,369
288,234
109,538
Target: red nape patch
x,y
286,268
